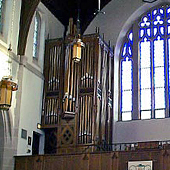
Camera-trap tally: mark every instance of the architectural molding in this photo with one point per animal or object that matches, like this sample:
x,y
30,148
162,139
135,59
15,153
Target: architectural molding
x,y
34,70
23,61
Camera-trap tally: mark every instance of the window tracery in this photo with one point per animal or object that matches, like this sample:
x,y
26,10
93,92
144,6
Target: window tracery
x,y
153,67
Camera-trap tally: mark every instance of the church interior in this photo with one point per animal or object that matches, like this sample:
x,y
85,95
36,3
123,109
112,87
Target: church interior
x,y
84,84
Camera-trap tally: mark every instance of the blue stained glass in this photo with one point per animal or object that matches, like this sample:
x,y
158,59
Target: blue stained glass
x,y
35,37
169,48
145,22
145,99
159,98
145,114
158,20
168,10
131,36
154,12
162,30
158,52
127,101
169,57
168,29
1,12
149,15
130,51
127,51
124,49
126,74
145,75
153,69
145,54
126,116
154,74
159,77
126,81
149,32
159,113
145,78
141,33
155,31
161,11
1,1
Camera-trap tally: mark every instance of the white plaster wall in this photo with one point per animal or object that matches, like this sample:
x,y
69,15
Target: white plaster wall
x,y
32,84
120,14
30,110
50,28
142,130
8,36
25,111
11,20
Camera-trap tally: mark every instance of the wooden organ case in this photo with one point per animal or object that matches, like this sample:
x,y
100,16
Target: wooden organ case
x,y
78,97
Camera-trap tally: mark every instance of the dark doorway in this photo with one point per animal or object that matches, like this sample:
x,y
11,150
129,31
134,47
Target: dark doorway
x,y
35,144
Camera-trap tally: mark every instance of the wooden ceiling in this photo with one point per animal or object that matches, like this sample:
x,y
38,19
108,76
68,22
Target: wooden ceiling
x,y
65,9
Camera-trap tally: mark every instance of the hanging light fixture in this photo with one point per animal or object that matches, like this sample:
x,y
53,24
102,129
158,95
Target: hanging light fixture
x,y
6,88
77,46
77,42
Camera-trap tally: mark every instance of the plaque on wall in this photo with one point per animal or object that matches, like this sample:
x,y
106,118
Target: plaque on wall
x,y
140,165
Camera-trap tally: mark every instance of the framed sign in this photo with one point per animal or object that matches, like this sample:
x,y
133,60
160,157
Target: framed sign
x,y
140,165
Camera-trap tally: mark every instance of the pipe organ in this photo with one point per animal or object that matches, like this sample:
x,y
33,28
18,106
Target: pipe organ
x,y
78,96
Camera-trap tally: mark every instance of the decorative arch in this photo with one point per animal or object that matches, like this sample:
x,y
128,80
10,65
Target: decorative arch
x,y
28,8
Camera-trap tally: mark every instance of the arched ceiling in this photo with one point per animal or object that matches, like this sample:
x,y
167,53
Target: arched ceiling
x,y
65,9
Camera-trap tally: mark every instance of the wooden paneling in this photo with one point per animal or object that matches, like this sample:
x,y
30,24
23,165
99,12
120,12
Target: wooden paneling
x,y
53,162
95,161
106,161
20,163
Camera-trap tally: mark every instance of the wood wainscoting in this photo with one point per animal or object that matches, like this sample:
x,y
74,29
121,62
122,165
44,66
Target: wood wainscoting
x,y
117,160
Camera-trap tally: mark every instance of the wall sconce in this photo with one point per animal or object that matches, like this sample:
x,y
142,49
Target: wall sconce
x,y
6,88
39,126
77,46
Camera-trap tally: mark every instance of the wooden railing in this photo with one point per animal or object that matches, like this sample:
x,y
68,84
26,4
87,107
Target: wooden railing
x,y
94,161
101,158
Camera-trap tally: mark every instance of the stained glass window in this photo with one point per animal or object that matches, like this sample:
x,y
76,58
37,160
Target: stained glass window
x,y
36,35
153,67
126,79
145,79
1,13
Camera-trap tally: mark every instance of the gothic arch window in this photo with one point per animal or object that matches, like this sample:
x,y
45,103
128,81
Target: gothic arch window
x,y
36,36
126,78
145,67
2,4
